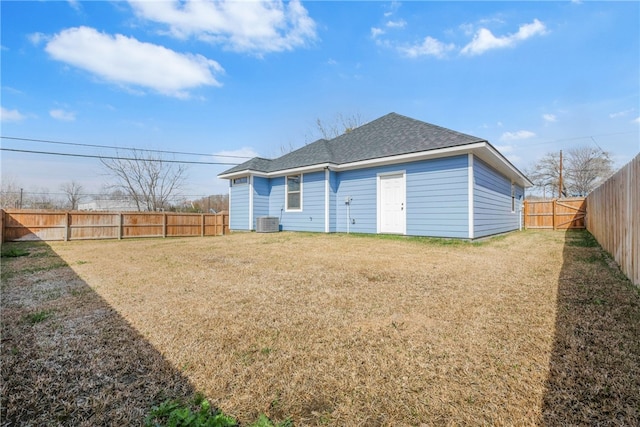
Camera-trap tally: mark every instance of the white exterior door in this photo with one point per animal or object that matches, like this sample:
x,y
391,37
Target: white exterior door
x,y
391,204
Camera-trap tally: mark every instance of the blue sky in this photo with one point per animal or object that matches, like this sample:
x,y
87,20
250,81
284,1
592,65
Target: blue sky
x,y
247,78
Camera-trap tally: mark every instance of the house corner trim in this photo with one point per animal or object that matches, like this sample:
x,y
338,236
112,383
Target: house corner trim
x,y
470,194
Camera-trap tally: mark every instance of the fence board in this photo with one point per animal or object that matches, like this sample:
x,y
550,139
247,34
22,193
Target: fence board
x,y
19,225
556,214
614,218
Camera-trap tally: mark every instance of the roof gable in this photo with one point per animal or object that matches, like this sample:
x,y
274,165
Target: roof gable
x,y
393,135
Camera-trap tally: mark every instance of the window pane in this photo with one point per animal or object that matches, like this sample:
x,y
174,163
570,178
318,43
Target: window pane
x,y
293,201
293,183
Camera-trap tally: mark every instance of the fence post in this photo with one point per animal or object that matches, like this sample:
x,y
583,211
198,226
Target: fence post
x,y
67,218
202,229
120,226
1,225
553,213
164,224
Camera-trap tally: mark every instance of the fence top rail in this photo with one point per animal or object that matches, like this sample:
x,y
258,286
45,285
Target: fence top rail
x,y
60,212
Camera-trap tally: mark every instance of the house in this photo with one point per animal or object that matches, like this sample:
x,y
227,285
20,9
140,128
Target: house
x,y
393,175
122,205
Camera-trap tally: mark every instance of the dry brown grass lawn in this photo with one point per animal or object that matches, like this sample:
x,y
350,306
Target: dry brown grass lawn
x,y
525,329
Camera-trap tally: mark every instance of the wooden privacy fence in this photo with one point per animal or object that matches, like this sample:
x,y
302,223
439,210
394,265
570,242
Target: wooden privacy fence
x,y
18,225
614,218
556,214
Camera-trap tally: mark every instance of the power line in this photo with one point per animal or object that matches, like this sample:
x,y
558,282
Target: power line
x,y
47,141
575,138
115,158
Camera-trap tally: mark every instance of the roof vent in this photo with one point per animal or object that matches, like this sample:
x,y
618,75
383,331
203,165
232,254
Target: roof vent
x,y
267,224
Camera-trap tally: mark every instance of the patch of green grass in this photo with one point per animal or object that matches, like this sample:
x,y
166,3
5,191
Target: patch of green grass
x,y
14,252
264,421
37,317
199,413
581,239
418,239
36,269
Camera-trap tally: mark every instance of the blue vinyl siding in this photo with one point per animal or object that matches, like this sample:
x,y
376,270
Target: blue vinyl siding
x,y
360,186
438,197
492,201
437,200
311,217
239,207
333,190
261,190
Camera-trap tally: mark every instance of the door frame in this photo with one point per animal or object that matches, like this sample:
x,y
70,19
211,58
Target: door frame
x,y
379,176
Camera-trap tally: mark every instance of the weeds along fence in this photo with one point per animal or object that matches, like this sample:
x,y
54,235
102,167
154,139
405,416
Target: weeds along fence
x,y
614,218
556,214
19,225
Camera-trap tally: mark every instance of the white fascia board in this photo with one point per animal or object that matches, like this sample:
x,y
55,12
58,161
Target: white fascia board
x,y
242,173
483,150
412,157
493,157
302,169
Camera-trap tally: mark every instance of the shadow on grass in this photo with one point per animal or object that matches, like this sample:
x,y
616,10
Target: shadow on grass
x,y
594,376
67,357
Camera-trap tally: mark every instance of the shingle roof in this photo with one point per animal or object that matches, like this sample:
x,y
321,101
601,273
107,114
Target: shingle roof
x,y
390,135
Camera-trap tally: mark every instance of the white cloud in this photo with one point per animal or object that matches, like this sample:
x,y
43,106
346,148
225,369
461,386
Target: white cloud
x,y
10,115
36,38
126,61
255,26
375,32
401,23
516,136
63,115
637,120
429,47
75,4
550,118
621,113
484,39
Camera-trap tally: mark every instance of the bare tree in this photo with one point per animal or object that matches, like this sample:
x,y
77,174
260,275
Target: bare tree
x,y
545,173
72,191
341,124
148,179
583,169
10,193
586,168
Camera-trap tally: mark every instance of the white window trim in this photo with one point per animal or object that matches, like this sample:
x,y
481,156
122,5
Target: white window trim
x,y
286,192
234,184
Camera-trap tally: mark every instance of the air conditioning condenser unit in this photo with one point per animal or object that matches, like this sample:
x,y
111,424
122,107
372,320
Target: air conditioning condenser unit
x,y
267,224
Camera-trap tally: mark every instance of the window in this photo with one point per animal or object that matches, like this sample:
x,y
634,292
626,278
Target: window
x,y
513,197
239,181
294,192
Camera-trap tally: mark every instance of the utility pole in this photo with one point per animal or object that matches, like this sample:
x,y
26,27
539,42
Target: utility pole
x,y
560,180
